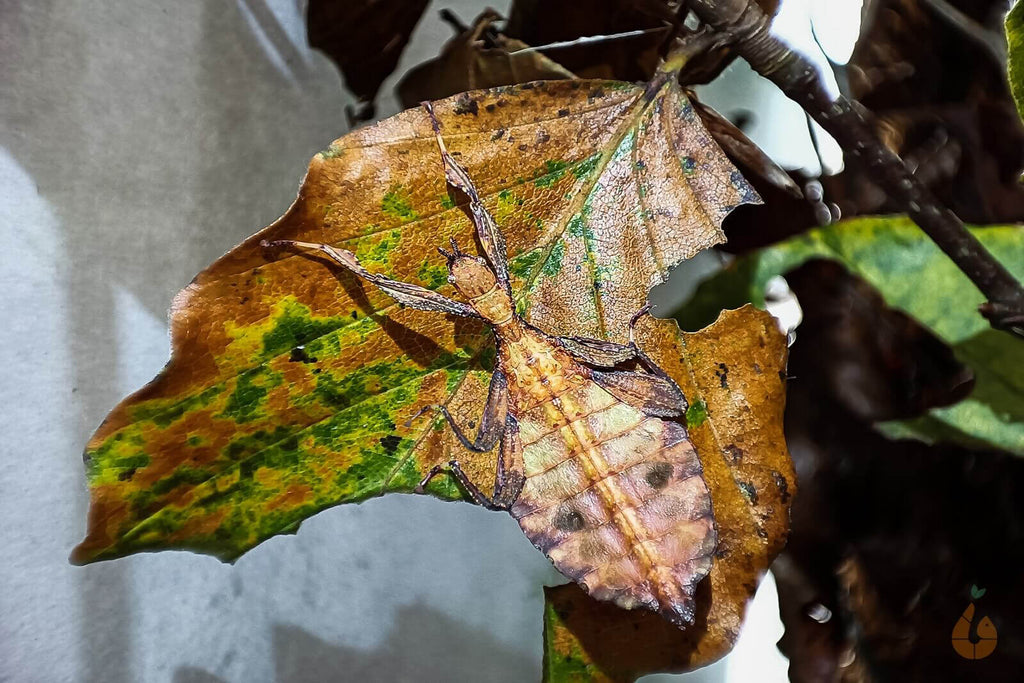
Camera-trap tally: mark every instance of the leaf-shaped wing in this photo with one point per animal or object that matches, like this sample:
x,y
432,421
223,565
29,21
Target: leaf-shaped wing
x,y
732,373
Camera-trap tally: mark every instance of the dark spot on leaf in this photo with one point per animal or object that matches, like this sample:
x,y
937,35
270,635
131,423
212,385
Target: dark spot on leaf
x,y
722,373
563,112
126,475
568,518
734,452
467,105
390,443
490,107
596,93
749,491
782,485
523,147
355,315
498,133
658,475
299,355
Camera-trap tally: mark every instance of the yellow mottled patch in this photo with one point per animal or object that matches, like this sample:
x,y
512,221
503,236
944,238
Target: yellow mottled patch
x,y
267,477
226,480
246,340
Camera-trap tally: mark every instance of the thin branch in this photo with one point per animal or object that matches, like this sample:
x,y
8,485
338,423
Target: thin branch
x,y
588,40
745,26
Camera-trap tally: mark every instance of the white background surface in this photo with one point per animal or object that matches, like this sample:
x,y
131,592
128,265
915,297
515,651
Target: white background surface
x,y
141,140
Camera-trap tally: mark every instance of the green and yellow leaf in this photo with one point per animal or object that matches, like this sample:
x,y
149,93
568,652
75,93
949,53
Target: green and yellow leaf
x,y
290,383
913,275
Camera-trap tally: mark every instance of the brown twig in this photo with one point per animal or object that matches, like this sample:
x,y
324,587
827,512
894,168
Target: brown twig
x,y
744,26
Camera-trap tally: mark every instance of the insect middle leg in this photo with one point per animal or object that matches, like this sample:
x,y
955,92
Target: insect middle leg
x,y
653,391
606,354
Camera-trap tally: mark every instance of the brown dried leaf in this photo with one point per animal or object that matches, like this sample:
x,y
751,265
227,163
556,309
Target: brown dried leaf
x,y
364,38
539,22
476,58
732,373
743,151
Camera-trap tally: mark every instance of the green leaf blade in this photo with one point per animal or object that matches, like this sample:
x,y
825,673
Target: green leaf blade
x,y
913,275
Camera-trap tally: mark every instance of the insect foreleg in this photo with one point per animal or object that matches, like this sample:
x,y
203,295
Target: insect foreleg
x,y
402,292
491,237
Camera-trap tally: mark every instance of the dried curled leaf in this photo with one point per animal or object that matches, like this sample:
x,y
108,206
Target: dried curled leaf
x,y
290,385
475,59
732,373
743,150
541,22
364,38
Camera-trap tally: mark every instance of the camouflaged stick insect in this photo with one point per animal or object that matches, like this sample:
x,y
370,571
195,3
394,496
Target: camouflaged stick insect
x,y
592,460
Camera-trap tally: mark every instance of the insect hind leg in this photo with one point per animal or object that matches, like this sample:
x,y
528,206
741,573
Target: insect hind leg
x,y
455,469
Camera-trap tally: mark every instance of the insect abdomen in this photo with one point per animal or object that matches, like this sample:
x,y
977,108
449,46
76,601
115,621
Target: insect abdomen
x,y
617,500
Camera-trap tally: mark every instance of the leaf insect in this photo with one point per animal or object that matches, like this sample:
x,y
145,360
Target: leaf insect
x,y
592,460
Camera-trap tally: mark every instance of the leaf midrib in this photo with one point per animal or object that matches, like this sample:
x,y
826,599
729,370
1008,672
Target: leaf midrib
x,y
586,188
